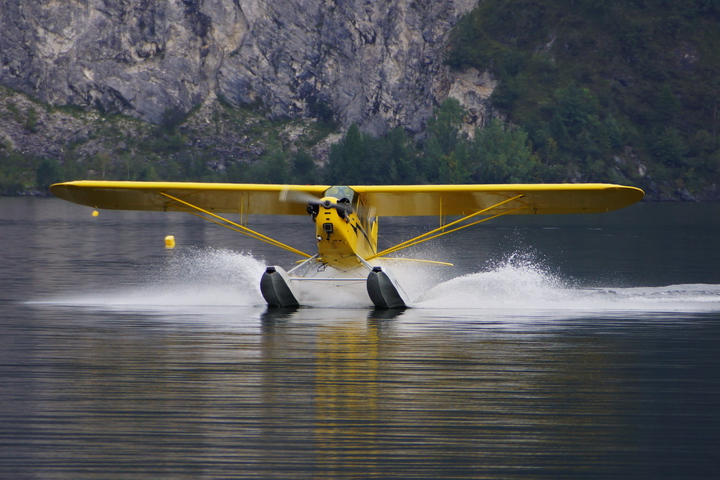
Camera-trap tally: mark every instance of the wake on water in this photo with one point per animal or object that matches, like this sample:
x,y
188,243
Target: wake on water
x,y
202,278
524,286
207,278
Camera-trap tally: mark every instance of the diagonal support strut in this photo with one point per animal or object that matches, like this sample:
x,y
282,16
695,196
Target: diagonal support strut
x,y
232,225
439,232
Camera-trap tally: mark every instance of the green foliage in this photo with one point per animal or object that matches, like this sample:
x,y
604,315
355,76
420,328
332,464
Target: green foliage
x,y
271,167
14,168
302,168
503,154
669,147
589,79
443,127
397,158
350,162
31,119
47,173
499,153
445,153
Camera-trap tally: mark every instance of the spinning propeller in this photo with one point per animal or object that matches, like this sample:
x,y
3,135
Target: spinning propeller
x,y
295,196
298,196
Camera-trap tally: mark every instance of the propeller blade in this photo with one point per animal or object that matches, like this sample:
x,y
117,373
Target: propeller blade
x,y
297,196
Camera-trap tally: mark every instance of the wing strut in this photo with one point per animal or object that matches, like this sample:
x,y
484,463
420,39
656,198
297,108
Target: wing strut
x,y
434,233
224,222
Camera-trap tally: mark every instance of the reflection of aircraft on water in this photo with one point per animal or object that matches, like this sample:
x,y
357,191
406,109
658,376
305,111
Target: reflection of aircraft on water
x,y
346,220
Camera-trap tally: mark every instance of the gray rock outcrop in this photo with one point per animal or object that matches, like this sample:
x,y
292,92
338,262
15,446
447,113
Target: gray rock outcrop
x,y
379,64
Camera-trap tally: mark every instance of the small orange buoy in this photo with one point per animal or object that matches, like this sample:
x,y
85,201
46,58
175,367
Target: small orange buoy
x,y
169,241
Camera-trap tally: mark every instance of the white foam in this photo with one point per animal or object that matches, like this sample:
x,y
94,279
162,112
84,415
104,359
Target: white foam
x,y
194,278
522,285
200,280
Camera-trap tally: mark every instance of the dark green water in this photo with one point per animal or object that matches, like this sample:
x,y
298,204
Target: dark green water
x,y
558,347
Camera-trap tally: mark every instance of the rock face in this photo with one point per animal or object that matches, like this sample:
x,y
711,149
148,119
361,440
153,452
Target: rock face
x,y
375,63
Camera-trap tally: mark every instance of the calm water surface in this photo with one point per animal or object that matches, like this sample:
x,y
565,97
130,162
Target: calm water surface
x,y
558,347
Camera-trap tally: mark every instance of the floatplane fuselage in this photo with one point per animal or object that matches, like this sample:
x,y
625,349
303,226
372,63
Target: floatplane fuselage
x,y
346,232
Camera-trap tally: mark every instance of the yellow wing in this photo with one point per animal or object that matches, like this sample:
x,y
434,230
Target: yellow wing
x,y
214,197
404,200
386,200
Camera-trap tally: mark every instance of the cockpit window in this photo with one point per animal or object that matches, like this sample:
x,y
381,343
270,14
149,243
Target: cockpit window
x,y
340,193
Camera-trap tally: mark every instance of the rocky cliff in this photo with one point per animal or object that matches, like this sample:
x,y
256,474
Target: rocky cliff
x,y
379,64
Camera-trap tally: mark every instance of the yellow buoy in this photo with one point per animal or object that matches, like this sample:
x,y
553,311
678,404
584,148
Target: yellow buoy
x,y
169,241
95,213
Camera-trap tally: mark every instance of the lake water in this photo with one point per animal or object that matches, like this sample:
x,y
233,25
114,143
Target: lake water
x,y
557,347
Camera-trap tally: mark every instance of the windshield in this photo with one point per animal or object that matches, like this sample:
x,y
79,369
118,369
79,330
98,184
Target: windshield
x,y
340,193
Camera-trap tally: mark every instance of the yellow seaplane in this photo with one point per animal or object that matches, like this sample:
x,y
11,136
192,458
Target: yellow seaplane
x,y
346,219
